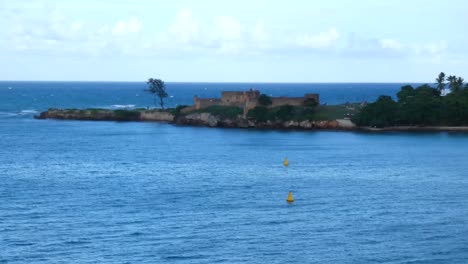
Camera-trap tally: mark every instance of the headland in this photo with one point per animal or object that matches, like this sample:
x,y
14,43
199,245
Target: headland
x,y
251,109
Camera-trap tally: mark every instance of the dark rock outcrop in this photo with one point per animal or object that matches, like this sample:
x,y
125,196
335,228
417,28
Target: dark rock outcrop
x,y
106,115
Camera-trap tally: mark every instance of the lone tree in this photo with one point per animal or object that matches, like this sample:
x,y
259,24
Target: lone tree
x,y
157,88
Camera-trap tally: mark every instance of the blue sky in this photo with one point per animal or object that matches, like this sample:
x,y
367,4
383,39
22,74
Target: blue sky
x,y
233,41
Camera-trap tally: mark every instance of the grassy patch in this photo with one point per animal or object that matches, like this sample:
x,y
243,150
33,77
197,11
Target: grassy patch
x,y
176,111
222,111
301,113
332,112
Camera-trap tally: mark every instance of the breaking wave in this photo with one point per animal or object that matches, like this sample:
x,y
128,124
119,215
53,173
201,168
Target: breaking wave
x,y
26,112
119,106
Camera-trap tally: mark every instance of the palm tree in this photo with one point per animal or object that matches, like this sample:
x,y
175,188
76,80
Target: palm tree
x,y
440,81
453,83
460,82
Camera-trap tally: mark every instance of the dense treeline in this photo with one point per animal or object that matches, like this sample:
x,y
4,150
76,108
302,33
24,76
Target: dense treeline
x,y
421,106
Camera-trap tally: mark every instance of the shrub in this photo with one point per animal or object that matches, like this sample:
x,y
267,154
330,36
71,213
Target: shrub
x,y
285,112
264,100
259,113
223,111
126,115
310,102
176,111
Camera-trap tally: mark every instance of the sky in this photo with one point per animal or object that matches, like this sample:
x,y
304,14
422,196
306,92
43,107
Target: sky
x,y
233,40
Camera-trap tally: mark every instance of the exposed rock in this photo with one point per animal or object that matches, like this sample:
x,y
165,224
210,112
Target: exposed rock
x,y
156,116
305,124
346,124
199,119
229,123
290,124
212,120
331,124
243,123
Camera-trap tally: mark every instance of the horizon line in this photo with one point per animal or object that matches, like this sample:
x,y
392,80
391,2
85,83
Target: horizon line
x,y
224,82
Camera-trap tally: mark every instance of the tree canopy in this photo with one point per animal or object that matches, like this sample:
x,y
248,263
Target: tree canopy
x,y
264,100
157,88
420,106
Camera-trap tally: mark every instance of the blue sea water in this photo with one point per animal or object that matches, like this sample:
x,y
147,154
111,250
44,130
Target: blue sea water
x,y
110,192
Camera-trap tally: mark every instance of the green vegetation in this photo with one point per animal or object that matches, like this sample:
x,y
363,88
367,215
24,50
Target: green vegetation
x,y
310,102
176,111
126,115
332,112
420,106
157,88
287,112
264,100
95,111
259,113
281,113
301,113
222,111
440,81
455,83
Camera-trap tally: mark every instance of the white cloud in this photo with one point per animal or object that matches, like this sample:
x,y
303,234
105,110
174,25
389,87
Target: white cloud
x,y
187,33
123,27
322,40
390,44
362,46
201,36
185,27
227,28
76,26
259,35
434,48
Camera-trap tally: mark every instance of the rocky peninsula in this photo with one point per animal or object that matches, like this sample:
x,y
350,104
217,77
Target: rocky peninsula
x,y
423,108
197,118
245,109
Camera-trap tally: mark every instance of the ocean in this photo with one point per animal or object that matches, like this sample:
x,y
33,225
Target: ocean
x,y
127,192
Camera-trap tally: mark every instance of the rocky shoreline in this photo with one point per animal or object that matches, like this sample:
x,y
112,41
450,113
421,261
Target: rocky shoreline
x,y
207,119
192,119
211,120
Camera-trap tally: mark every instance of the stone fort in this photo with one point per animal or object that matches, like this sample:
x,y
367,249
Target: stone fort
x,y
247,100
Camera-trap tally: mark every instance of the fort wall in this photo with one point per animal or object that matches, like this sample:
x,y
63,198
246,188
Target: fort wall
x,y
248,100
294,101
201,103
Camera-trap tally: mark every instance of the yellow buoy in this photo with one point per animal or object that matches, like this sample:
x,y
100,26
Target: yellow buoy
x,y
286,162
290,198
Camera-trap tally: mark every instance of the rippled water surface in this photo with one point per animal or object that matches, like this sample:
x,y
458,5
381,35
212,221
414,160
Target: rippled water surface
x,y
108,192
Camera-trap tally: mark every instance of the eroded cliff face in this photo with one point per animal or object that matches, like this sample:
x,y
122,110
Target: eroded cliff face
x,y
207,119
156,116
